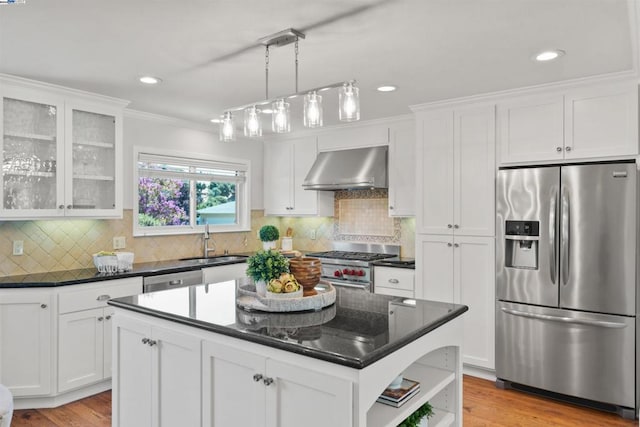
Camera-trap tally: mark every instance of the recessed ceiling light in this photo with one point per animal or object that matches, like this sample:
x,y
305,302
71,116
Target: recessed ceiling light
x,y
386,88
549,55
150,80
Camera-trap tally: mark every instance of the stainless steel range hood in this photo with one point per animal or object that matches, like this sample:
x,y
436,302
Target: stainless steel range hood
x,y
348,170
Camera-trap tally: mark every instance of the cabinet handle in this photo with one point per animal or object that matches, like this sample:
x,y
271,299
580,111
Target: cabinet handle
x,y
145,340
108,317
267,381
449,244
61,207
104,297
43,305
100,319
176,282
568,148
393,281
559,149
391,207
257,377
152,343
449,226
455,245
69,206
456,226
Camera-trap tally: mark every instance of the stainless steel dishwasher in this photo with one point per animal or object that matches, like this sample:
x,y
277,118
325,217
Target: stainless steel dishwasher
x,y
161,282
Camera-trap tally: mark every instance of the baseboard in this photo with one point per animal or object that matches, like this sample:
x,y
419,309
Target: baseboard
x,y
60,399
474,371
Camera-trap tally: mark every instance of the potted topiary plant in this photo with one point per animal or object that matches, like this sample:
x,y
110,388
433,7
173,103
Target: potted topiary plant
x,y
269,236
264,266
419,418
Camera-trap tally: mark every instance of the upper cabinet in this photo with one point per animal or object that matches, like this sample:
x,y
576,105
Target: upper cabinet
x,y
578,124
402,169
286,164
61,153
455,178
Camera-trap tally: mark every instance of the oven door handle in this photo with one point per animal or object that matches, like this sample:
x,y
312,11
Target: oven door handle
x,y
348,284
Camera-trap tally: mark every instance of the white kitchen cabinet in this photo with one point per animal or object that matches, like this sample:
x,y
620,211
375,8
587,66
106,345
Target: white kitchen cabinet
x,y
279,394
394,281
26,341
149,390
61,151
354,136
223,273
456,171
286,164
461,270
592,123
84,330
402,169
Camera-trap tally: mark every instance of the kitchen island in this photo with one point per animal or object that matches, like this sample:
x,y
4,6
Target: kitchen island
x,y
191,357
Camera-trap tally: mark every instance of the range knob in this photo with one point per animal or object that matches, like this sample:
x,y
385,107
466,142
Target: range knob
x,y
361,273
346,271
337,273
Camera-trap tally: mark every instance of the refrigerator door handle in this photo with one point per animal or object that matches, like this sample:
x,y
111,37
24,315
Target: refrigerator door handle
x,y
552,235
562,319
565,246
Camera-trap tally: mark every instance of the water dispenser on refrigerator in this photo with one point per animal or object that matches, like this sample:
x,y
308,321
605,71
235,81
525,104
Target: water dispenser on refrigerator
x,y
521,244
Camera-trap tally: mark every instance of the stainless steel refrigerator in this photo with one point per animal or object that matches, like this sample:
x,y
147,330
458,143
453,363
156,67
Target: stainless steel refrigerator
x,y
566,282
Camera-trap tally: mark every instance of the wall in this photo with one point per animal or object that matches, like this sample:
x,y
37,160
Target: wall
x,y
55,245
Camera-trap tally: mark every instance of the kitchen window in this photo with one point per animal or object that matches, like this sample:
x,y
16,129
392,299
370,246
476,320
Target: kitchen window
x,y
179,195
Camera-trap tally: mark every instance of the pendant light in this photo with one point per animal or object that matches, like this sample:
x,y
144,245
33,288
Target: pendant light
x,y
349,103
348,109
252,123
313,110
281,117
227,127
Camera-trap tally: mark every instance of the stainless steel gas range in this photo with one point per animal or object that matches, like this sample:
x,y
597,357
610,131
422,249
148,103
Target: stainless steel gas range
x,y
350,264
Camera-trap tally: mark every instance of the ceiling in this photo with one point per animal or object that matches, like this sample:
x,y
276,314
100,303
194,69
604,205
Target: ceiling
x,y
207,54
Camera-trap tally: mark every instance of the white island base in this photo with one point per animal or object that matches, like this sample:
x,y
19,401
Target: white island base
x,y
170,374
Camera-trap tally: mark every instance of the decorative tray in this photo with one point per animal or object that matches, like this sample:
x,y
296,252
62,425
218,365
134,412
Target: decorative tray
x,y
248,299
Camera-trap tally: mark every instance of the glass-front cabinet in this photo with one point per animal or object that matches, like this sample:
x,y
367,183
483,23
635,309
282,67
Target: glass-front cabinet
x,y
61,155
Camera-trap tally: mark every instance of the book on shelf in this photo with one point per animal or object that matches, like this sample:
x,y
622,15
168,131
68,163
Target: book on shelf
x,y
398,396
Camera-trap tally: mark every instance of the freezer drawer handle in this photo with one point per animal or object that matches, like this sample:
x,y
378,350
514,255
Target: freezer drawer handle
x,y
600,323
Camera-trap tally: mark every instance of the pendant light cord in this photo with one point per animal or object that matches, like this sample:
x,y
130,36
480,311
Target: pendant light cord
x,y
266,70
296,50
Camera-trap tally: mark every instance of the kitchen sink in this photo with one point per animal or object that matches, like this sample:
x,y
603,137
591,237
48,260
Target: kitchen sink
x,y
216,259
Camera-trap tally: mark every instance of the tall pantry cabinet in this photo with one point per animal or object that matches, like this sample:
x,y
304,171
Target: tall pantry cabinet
x,y
455,218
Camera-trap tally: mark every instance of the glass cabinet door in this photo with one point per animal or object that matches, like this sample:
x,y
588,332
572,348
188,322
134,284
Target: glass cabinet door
x,y
93,162
32,148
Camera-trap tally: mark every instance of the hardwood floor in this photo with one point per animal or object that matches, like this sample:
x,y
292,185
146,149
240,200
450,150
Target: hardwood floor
x,y
484,405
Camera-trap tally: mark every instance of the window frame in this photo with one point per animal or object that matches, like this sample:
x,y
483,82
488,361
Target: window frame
x,y
243,193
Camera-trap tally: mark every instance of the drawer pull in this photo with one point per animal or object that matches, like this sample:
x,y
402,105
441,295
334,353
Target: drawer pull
x,y
394,281
152,342
100,319
267,381
257,377
43,305
176,282
103,298
108,317
145,340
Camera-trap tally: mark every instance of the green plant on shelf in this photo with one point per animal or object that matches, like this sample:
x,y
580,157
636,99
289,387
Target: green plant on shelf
x,y
267,265
269,233
414,419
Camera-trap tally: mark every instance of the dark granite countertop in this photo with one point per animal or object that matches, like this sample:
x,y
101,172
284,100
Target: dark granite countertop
x,y
359,329
88,275
397,263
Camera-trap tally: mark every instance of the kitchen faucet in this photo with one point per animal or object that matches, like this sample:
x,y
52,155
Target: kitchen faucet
x,y
205,242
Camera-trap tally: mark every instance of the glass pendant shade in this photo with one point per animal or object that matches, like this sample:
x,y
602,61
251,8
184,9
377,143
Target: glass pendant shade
x,y
227,129
252,124
312,110
349,103
281,117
